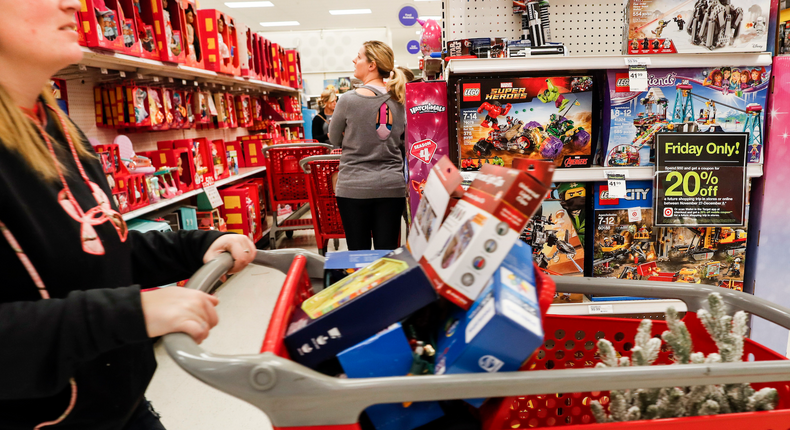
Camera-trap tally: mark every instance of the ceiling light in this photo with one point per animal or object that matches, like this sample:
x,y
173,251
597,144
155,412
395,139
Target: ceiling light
x,y
243,4
350,11
435,18
279,23
418,32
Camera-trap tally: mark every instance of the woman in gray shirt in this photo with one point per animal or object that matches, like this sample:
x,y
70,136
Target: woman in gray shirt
x,y
369,124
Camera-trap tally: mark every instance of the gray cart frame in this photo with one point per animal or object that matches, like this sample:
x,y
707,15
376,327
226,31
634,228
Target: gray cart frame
x,y
293,395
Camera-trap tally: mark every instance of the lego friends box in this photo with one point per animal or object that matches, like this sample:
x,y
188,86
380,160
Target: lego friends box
x,y
721,99
696,26
538,118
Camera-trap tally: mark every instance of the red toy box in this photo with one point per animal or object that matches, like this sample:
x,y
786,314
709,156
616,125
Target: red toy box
x,y
146,28
236,146
219,159
201,158
244,111
230,102
191,35
252,147
294,64
128,29
220,44
99,23
241,210
169,29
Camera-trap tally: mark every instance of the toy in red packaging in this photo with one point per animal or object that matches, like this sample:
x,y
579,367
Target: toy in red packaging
x,y
167,108
180,114
169,26
483,227
230,149
138,105
220,41
200,107
294,64
267,74
219,158
201,159
181,159
244,35
128,28
99,23
193,52
156,108
241,210
244,111
253,151
254,43
222,113
230,103
144,22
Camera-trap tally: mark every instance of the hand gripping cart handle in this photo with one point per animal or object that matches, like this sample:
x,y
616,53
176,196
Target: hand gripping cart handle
x,y
294,396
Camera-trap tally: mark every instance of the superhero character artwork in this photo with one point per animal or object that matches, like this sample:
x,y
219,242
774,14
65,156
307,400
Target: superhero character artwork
x,y
537,118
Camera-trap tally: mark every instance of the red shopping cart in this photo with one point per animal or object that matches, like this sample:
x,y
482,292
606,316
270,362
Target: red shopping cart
x,y
297,398
287,185
321,171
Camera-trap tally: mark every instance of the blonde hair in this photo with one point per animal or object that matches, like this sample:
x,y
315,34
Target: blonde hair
x,y
326,97
407,73
19,134
381,54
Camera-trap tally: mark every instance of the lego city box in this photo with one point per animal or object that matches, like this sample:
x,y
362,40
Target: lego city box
x,y
502,328
443,182
340,264
672,26
546,118
716,99
357,307
388,353
482,228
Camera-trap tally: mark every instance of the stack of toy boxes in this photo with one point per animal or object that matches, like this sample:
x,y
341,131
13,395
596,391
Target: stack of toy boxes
x,y
717,99
668,27
294,64
538,118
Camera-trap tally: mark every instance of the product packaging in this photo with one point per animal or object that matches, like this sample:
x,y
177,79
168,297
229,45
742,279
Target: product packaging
x,y
483,227
501,329
340,264
426,133
388,353
718,99
169,29
192,35
701,27
221,43
538,118
363,304
101,22
438,191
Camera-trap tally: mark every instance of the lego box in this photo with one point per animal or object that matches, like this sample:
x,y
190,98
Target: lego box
x,y
501,329
538,118
629,247
482,228
677,26
720,99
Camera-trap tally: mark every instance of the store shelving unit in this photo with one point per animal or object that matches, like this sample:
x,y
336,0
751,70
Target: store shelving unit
x,y
129,64
243,173
599,62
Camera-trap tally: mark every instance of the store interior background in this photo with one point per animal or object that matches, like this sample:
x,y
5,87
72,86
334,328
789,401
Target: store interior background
x,y
328,42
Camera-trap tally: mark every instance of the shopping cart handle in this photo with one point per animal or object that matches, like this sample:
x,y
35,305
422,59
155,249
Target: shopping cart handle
x,y
694,295
303,162
294,145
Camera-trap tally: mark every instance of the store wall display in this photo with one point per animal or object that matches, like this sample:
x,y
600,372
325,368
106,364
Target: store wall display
x,y
538,118
629,246
721,99
664,27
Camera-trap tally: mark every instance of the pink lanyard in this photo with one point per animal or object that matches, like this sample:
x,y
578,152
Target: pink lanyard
x,y
103,212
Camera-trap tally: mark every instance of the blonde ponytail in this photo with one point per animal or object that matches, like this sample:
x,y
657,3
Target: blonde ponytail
x,y
18,134
396,85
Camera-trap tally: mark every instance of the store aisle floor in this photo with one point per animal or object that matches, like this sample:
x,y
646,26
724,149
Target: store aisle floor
x,y
246,303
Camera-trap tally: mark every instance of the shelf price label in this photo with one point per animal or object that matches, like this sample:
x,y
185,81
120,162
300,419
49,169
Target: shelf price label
x,y
213,196
637,78
701,179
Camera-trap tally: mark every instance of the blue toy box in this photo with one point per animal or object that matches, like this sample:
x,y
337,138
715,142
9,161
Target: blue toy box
x,y
502,328
388,354
340,264
312,341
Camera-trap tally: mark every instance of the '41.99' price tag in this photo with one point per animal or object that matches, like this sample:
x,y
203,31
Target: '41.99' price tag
x,y
637,78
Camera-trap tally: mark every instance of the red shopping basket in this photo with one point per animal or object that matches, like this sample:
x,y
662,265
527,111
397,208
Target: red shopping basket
x,y
321,171
287,184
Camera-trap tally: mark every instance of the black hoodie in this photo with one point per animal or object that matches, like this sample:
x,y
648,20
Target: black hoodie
x,y
92,328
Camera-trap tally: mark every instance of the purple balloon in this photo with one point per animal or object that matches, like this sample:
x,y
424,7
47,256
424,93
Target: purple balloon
x,y
580,139
551,147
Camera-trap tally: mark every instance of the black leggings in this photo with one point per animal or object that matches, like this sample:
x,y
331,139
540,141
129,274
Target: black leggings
x,y
379,218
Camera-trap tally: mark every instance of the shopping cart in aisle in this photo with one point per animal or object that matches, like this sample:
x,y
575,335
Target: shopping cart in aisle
x,y
287,185
295,397
321,171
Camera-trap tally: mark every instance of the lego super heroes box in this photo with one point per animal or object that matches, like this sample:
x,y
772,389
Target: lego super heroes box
x,y
547,118
674,26
716,99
